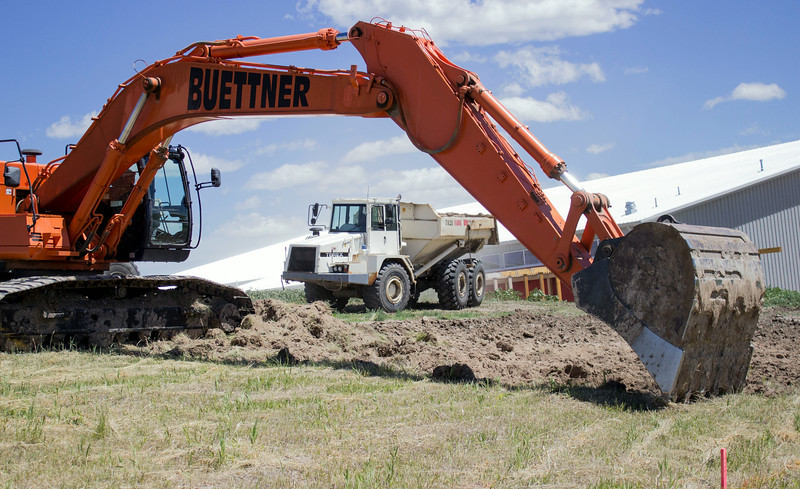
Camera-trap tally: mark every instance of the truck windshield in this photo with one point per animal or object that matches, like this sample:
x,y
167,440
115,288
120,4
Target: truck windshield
x,y
349,218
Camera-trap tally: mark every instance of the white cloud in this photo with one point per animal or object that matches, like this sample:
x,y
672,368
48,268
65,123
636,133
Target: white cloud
x,y
204,163
306,144
375,149
555,108
288,175
756,92
543,66
317,175
67,128
253,224
513,89
249,203
595,176
465,57
425,185
487,22
636,70
599,148
226,127
754,130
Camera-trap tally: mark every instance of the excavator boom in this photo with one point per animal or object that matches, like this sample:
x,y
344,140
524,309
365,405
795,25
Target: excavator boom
x,y
695,339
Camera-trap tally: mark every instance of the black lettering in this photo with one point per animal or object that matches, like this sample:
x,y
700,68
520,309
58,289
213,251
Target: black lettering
x,y
225,90
254,80
268,90
195,88
301,86
239,79
210,94
285,91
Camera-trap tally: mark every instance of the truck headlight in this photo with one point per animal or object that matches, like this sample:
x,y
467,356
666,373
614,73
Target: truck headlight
x,y
339,268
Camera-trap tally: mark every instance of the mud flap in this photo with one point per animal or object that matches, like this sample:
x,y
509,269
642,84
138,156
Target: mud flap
x,y
687,300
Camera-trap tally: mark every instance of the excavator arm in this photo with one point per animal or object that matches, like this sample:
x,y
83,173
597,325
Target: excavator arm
x,y
709,277
443,108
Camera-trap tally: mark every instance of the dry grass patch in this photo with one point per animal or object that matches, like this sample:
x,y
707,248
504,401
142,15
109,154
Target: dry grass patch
x,y
83,419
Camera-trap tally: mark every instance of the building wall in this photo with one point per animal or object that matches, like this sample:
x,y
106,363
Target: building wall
x,y
769,213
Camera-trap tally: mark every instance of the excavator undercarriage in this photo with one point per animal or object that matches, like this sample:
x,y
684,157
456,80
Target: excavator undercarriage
x,y
99,310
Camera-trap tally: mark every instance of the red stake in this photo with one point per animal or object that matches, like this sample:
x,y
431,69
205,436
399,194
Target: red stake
x,y
724,468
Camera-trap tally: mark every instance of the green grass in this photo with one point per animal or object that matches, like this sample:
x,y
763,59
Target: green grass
x,y
776,297
292,295
427,305
83,419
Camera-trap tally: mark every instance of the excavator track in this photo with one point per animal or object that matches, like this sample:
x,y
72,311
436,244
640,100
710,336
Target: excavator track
x,y
98,310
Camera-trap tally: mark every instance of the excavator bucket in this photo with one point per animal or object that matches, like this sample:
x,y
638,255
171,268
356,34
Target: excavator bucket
x,y
686,298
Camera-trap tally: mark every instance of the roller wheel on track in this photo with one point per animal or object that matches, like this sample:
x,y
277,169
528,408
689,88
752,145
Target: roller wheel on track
x,y
453,285
391,290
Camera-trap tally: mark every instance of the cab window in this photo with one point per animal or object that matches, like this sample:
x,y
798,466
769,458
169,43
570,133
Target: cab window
x,y
349,218
170,207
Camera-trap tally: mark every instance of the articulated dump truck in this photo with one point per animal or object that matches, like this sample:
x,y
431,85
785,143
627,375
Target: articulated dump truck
x,y
387,252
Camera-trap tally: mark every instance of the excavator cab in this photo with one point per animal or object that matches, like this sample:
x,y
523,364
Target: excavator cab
x,y
162,229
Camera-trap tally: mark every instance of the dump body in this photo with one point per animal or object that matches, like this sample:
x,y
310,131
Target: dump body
x,y
427,234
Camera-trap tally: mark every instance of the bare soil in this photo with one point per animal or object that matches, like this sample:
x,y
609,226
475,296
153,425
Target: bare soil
x,y
529,345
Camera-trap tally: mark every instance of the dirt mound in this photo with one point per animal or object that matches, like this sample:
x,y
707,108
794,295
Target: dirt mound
x,y
775,367
523,347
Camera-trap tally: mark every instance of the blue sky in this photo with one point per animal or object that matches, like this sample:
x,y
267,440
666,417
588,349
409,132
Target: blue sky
x,y
610,86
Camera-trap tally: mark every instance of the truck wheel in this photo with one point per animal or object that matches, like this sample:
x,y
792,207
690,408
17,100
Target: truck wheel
x,y
477,285
390,291
122,269
316,292
453,285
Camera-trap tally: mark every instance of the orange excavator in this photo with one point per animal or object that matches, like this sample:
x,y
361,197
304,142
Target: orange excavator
x,y
686,298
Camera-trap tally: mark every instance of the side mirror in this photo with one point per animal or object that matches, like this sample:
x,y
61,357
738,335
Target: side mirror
x,y
216,180
314,211
12,176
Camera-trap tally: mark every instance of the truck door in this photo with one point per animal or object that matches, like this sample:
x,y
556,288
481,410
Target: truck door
x,y
383,236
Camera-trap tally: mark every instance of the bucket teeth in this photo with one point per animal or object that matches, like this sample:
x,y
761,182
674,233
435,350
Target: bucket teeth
x,y
687,300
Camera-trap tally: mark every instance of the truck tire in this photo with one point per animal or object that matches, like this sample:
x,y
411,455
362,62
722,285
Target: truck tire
x,y
453,285
122,269
390,291
477,284
316,293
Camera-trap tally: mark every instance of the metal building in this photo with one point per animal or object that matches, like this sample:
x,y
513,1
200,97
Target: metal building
x,y
755,191
769,213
